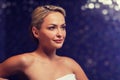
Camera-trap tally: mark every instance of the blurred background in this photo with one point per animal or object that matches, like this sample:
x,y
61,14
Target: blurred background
x,y
93,33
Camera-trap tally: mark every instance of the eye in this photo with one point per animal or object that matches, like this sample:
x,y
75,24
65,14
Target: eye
x,y
51,27
63,27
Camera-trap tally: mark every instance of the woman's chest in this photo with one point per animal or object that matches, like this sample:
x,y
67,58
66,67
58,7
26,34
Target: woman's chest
x,y
46,71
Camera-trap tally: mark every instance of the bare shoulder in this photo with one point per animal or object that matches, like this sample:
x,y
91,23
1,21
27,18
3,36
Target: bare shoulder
x,y
14,64
76,68
69,61
20,60
25,59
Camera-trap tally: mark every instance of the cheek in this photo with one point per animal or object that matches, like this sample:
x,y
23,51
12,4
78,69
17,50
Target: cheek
x,y
46,36
64,34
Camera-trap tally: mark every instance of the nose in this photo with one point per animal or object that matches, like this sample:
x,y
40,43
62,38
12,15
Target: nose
x,y
59,33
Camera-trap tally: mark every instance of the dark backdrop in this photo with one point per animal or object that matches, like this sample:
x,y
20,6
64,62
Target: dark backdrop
x,y
93,38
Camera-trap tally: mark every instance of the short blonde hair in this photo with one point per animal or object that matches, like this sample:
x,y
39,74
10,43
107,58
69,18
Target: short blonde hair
x,y
41,12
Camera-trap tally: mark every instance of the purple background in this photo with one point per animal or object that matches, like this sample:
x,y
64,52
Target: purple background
x,y
92,40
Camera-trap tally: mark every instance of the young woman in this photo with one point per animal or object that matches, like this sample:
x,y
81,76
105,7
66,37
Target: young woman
x,y
48,29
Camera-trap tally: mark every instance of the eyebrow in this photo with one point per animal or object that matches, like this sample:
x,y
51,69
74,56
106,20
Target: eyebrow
x,y
56,25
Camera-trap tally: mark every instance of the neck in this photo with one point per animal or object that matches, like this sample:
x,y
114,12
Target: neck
x,y
46,52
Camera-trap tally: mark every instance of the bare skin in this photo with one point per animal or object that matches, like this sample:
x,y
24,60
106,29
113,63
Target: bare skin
x,y
38,68
43,63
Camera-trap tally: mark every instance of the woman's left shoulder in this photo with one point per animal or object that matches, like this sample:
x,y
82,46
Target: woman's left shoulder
x,y
76,68
69,61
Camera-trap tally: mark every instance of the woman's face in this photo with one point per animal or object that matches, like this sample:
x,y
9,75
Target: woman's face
x,y
52,32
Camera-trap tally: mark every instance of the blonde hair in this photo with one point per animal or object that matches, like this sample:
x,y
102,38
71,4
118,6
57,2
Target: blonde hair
x,y
40,13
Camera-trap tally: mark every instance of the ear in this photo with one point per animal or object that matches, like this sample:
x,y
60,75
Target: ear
x,y
35,32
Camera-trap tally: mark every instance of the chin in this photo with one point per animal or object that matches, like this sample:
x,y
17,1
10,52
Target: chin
x,y
58,46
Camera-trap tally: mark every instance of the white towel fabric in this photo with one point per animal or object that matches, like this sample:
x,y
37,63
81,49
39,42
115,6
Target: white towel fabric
x,y
67,77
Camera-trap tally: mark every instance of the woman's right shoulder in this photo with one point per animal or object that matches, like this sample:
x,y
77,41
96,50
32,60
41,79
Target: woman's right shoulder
x,y
22,60
15,63
26,59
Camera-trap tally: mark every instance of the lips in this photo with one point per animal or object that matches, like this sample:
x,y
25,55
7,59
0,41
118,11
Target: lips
x,y
59,40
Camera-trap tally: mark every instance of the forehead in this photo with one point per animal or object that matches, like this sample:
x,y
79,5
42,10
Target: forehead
x,y
54,16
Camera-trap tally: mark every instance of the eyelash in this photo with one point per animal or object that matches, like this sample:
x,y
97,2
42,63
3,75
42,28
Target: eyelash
x,y
53,27
63,27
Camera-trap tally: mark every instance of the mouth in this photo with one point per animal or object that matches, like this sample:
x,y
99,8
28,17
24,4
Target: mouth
x,y
59,41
